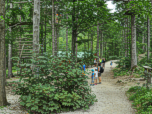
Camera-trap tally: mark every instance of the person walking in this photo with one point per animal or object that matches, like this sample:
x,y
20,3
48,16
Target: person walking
x,y
111,64
100,61
96,76
103,63
99,73
84,66
92,78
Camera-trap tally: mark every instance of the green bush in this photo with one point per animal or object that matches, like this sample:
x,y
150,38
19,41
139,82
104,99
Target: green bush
x,y
142,98
66,89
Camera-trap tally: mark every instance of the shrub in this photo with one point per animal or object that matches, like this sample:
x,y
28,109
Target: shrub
x,y
65,89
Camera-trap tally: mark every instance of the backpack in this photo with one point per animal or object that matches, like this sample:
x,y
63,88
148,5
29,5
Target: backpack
x,y
101,70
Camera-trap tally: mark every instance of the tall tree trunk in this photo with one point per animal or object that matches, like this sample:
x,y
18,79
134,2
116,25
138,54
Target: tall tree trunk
x,y
105,50
36,21
9,61
74,29
143,41
42,40
101,44
45,34
148,37
125,38
67,36
53,27
88,41
76,43
97,41
92,42
133,42
3,100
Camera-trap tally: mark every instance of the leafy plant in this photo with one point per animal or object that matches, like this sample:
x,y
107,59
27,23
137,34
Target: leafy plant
x,y
65,89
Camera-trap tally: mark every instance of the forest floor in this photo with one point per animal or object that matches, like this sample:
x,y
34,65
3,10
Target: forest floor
x,y
110,94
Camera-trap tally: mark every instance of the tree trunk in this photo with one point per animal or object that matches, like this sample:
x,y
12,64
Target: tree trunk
x,y
91,42
97,41
74,29
42,40
133,42
76,44
101,44
55,46
36,22
148,38
3,100
125,39
45,34
67,36
105,51
143,41
88,41
53,27
9,61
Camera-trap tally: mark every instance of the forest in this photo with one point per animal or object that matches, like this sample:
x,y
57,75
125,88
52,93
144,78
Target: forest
x,y
43,43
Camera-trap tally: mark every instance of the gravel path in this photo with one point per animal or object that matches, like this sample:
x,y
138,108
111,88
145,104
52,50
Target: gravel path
x,y
111,98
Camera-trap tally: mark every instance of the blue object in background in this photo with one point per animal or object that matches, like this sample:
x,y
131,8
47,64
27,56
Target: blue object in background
x,y
84,67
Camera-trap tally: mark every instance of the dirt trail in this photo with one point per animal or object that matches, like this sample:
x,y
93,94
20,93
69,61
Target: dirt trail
x,y
111,96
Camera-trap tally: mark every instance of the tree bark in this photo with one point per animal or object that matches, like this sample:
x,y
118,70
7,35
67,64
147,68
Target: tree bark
x,y
98,41
53,27
74,29
143,41
45,34
148,38
3,100
9,61
67,36
101,44
36,22
133,42
125,39
88,41
91,42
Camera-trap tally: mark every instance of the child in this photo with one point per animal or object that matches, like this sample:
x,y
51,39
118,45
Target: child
x,y
111,64
84,67
92,78
96,76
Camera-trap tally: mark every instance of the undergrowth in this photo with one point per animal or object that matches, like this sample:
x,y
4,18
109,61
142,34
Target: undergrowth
x,y
64,90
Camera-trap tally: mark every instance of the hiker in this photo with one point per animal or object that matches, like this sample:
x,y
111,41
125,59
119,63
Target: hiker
x,y
94,61
84,67
96,76
111,64
92,78
99,73
100,61
103,61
